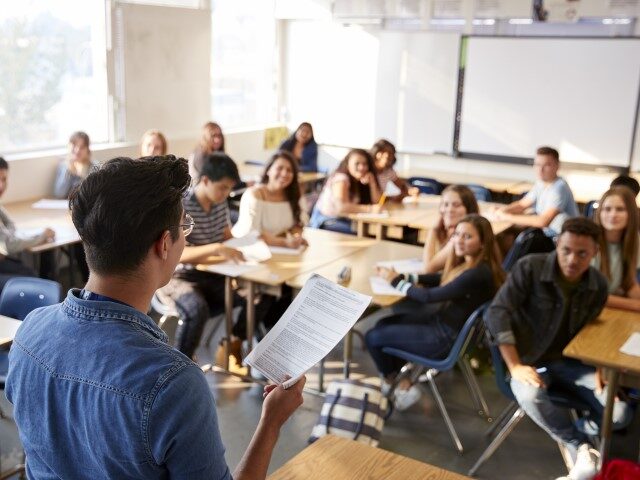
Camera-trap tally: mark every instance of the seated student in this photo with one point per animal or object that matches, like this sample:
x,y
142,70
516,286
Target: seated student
x,y
550,197
545,301
94,375
11,244
626,181
617,258
471,277
153,144
456,202
351,188
384,158
212,140
75,168
197,293
303,147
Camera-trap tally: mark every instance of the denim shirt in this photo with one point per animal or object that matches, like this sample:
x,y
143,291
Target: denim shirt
x,y
98,393
527,310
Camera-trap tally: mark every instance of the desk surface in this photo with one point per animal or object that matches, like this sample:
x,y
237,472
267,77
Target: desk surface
x,y
599,342
8,328
340,459
362,263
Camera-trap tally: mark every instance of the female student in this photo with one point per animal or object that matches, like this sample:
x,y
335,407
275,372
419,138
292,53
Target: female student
x,y
456,202
303,147
75,167
384,158
617,258
471,277
152,144
212,140
272,207
352,188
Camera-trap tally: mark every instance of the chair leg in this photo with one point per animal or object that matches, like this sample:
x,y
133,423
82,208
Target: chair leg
x,y
566,456
474,389
497,441
443,411
499,422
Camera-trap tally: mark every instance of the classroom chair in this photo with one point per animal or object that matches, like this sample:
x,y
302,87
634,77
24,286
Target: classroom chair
x,y
472,330
481,193
590,209
530,240
169,316
426,185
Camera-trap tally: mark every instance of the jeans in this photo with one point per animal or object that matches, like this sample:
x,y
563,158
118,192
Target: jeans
x,y
575,381
430,338
325,222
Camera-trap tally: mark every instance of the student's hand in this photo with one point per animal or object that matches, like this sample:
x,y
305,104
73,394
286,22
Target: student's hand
x,y
526,374
368,178
279,404
387,273
375,208
49,235
414,192
230,254
294,241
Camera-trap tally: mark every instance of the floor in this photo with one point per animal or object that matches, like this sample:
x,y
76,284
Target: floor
x,y
419,433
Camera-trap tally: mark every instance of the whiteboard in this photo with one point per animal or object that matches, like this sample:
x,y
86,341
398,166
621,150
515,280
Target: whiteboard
x,y
578,95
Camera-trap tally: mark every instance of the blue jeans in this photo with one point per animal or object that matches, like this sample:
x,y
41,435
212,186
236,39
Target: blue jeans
x,y
430,338
325,222
576,381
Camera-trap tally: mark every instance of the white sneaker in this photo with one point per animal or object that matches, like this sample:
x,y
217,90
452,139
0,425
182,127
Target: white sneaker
x,y
405,398
586,465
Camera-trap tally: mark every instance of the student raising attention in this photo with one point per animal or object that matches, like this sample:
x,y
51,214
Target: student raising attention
x,y
303,147
471,277
617,258
153,144
456,202
351,188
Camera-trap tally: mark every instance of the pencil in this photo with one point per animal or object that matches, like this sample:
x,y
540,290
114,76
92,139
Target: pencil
x,y
382,199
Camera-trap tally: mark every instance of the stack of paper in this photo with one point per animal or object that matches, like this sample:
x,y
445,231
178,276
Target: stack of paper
x,y
254,250
51,204
632,345
409,265
379,286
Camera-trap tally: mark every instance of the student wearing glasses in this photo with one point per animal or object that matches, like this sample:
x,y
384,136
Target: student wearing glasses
x,y
94,375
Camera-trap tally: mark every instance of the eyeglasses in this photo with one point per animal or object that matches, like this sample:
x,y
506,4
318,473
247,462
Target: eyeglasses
x,y
187,226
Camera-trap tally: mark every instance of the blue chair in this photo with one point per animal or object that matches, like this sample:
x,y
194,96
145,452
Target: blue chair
x,y
426,185
590,209
530,240
481,193
471,329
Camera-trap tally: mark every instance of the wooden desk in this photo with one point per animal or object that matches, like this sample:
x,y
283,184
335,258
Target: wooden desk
x,y
341,459
8,328
598,344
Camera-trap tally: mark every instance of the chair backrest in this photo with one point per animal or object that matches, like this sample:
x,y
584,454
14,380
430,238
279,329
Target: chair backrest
x,y
531,240
590,209
481,193
21,295
500,372
426,185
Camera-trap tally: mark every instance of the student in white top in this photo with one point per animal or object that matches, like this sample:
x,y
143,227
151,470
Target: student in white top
x,y
617,259
273,207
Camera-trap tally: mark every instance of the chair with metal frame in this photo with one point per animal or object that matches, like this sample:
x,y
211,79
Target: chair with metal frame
x,y
426,185
481,193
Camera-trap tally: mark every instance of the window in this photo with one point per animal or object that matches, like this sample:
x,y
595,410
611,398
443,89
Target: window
x,y
53,71
244,63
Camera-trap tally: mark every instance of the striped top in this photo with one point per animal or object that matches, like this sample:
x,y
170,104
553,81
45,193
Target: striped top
x,y
210,226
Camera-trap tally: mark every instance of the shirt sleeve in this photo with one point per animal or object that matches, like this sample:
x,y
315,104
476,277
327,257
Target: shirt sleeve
x,y
250,215
183,429
458,288
10,243
532,195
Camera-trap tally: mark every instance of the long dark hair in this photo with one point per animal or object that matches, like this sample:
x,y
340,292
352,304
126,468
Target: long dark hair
x,y
384,145
355,187
290,142
292,192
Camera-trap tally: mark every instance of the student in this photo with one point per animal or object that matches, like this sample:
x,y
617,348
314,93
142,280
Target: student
x,y
153,144
471,277
384,158
617,258
11,245
199,294
550,197
545,301
626,181
94,375
212,140
351,188
75,167
456,202
303,147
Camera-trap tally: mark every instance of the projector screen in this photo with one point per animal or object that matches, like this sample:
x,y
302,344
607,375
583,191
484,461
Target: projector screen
x,y
578,95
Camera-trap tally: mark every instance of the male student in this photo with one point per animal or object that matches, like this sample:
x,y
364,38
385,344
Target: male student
x,y
97,392
550,196
545,301
11,244
626,181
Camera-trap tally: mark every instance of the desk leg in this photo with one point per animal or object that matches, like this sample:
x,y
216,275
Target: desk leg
x,y
605,440
251,318
379,231
348,340
228,319
360,228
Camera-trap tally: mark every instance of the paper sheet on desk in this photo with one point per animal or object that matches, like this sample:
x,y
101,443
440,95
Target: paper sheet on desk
x,y
253,249
317,319
632,345
286,250
51,204
232,269
379,286
409,265
62,234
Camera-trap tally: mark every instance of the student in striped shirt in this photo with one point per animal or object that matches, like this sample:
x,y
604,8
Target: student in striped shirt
x,y
199,294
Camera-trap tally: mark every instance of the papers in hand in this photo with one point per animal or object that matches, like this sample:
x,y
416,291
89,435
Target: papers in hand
x,y
392,190
410,265
317,319
379,286
51,204
632,345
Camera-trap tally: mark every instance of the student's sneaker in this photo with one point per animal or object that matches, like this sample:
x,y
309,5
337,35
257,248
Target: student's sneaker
x,y
586,465
405,398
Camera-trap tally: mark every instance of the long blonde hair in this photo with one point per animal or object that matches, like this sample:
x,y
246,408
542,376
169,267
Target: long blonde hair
x,y
455,265
470,203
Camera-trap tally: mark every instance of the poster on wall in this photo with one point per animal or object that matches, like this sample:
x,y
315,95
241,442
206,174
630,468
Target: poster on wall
x,y
563,11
